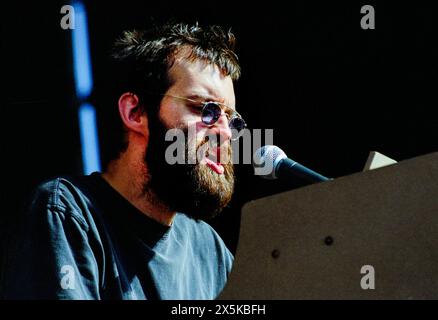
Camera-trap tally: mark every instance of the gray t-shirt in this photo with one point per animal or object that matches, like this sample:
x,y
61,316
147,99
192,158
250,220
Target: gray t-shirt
x,y
80,239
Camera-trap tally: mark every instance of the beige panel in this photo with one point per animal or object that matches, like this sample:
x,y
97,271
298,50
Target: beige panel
x,y
387,218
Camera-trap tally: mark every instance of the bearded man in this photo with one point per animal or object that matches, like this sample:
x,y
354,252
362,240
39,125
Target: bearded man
x,y
136,230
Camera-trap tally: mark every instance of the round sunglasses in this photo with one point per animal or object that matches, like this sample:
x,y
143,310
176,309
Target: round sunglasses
x,y
211,111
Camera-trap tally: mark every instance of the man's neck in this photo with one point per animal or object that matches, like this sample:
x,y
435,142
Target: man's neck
x,y
128,176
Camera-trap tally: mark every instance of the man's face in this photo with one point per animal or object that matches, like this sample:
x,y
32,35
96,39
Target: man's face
x,y
199,190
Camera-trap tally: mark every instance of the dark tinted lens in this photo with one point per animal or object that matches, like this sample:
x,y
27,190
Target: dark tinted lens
x,y
237,123
211,113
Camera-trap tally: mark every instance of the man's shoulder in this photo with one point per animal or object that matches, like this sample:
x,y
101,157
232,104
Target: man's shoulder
x,y
59,192
63,194
56,191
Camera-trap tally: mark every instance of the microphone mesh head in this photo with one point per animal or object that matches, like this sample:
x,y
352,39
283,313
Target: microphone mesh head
x,y
265,161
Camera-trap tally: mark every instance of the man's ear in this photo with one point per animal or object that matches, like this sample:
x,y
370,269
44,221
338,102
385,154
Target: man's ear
x,y
132,115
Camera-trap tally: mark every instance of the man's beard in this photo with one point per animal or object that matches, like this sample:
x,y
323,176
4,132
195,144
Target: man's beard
x,y
192,189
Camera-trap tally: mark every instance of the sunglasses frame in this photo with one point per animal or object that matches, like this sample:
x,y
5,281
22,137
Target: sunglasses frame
x,y
233,113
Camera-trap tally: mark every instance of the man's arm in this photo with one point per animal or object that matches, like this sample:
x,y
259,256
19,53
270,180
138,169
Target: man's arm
x,y
50,256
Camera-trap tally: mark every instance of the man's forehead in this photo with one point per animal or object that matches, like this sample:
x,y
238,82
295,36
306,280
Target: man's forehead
x,y
201,79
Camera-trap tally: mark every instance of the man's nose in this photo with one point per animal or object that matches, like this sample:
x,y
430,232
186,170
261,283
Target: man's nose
x,y
222,128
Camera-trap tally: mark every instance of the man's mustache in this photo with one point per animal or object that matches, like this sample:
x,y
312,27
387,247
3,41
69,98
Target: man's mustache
x,y
219,153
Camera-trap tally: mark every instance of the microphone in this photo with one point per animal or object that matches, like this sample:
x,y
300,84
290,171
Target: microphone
x,y
270,162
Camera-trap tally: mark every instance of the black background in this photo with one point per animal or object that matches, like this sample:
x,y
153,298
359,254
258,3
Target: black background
x,y
331,91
